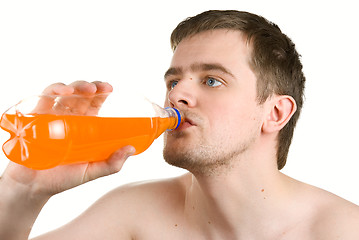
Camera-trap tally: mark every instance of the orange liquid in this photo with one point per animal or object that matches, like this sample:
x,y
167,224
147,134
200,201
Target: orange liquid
x,y
45,141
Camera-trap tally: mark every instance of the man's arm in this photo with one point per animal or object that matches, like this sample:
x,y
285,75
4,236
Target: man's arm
x,y
18,209
23,192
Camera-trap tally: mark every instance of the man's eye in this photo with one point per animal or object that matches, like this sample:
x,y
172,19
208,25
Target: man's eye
x,y
173,84
212,82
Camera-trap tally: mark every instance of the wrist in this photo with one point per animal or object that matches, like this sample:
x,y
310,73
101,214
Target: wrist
x,y
19,208
14,194
20,191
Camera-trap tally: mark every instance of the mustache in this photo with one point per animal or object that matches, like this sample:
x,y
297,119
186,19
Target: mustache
x,y
191,117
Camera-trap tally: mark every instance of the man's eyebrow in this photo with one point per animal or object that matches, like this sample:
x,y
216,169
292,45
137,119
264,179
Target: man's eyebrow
x,y
173,71
210,66
196,67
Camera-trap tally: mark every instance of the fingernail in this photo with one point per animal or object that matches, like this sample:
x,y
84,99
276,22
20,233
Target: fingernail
x,y
131,151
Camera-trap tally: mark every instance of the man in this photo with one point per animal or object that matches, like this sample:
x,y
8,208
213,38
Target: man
x,y
239,83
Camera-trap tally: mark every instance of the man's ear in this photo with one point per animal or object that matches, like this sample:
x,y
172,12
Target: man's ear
x,y
282,108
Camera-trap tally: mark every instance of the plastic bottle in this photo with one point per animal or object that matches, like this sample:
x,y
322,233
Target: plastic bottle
x,y
59,131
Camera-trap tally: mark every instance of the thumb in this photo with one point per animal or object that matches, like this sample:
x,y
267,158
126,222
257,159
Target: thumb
x,y
110,166
118,158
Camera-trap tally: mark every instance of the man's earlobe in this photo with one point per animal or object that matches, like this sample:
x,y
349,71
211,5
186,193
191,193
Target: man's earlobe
x,y
282,109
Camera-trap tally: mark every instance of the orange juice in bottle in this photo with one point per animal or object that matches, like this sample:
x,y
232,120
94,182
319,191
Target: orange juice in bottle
x,y
45,139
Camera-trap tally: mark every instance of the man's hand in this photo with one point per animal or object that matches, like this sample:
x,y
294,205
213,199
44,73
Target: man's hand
x,y
24,191
78,98
61,178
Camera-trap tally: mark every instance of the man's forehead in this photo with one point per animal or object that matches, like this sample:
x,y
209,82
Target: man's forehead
x,y
215,33
211,45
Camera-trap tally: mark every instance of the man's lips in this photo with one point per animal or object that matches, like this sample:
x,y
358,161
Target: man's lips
x,y
186,123
189,121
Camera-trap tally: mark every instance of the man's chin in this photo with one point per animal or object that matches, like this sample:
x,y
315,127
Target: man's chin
x,y
174,154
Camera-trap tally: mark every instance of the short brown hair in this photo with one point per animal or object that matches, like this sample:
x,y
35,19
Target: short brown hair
x,y
274,59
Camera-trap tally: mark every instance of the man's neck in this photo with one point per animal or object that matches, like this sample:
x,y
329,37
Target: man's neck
x,y
238,202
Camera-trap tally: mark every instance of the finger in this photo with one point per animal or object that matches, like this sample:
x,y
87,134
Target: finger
x,y
44,105
84,88
58,89
47,99
103,90
103,87
112,165
73,104
117,159
80,101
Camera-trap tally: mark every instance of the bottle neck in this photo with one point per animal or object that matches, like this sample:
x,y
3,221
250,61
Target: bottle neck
x,y
176,115
170,120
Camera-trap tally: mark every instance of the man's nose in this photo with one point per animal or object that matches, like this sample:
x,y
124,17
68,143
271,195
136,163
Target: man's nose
x,y
183,94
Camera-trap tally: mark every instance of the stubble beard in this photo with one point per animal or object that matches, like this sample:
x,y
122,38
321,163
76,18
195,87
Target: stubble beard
x,y
204,158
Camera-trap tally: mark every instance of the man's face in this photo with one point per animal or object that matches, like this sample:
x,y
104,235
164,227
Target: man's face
x,y
210,81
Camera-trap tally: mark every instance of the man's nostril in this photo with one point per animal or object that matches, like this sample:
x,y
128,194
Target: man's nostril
x,y
183,102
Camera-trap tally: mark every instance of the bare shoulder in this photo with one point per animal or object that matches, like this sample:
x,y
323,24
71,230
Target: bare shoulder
x,y
335,218
146,196
127,212
152,192
143,208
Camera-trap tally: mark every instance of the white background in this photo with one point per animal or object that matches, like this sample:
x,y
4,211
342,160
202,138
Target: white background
x,y
127,44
